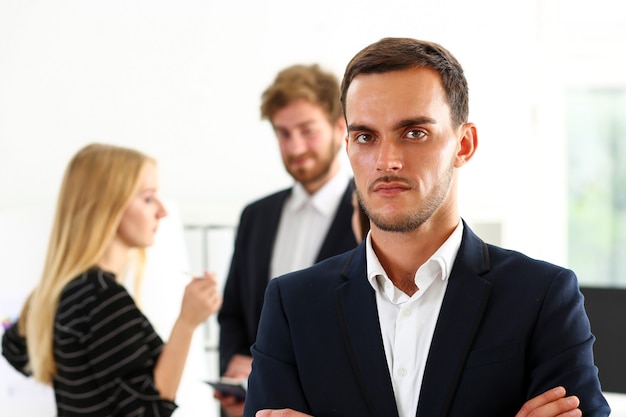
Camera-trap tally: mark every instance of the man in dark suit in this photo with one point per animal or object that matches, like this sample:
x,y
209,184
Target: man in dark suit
x,y
423,318
293,228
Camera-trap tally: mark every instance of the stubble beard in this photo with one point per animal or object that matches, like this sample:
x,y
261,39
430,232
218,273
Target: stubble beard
x,y
412,218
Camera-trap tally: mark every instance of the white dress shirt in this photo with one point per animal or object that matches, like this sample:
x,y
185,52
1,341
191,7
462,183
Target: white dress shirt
x,y
304,223
408,323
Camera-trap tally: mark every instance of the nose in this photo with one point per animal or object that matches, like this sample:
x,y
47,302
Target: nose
x,y
389,156
294,144
161,211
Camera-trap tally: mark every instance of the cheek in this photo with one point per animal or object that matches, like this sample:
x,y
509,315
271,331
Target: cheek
x,y
286,148
361,161
134,228
320,142
128,225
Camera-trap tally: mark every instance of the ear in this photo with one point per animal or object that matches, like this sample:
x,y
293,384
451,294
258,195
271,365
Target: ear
x,y
340,127
468,142
344,132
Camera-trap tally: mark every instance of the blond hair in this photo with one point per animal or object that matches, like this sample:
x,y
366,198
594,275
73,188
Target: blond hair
x,y
97,186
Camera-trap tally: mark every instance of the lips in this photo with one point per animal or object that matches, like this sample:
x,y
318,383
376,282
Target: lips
x,y
386,185
299,161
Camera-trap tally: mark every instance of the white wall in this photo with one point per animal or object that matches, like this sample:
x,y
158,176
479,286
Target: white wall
x,y
181,80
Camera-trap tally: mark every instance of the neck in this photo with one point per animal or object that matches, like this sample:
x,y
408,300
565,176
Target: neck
x,y
402,254
115,257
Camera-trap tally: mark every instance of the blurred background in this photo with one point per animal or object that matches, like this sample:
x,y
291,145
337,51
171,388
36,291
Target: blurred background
x,y
181,81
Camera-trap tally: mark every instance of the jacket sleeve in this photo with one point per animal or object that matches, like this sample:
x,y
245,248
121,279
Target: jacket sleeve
x,y
274,360
233,338
14,349
570,361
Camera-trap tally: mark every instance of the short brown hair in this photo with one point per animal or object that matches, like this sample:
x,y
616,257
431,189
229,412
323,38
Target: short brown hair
x,y
396,54
308,82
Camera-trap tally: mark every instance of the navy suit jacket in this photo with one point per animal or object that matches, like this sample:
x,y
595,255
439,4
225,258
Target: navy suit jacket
x,y
250,267
509,328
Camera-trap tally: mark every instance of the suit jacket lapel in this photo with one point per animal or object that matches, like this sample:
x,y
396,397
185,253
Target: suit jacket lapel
x,y
459,318
271,222
462,309
356,307
268,229
340,233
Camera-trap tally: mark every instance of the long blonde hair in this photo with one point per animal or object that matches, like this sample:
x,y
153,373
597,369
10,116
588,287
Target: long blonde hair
x,y
98,184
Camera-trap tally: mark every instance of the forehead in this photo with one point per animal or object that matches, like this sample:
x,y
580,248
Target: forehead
x,y
148,178
417,90
298,112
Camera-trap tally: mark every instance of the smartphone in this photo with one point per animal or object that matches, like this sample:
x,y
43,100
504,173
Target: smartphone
x,y
229,386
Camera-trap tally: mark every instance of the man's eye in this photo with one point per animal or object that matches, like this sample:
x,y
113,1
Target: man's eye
x,y
363,138
415,134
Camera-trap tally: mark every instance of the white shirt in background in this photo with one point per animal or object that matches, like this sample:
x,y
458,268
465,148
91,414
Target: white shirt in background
x,y
304,223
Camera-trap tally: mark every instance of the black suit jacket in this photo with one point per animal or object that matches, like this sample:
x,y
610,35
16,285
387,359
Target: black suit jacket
x,y
250,267
510,328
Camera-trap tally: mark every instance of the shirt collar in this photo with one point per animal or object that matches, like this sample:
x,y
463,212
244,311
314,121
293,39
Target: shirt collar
x,y
325,199
442,260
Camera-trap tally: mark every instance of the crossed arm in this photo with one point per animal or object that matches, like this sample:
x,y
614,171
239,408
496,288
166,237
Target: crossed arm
x,y
552,403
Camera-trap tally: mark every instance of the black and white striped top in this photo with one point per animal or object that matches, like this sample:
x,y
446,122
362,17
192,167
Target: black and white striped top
x,y
104,349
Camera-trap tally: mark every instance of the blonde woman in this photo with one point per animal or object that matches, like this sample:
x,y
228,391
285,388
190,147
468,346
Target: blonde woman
x,y
80,331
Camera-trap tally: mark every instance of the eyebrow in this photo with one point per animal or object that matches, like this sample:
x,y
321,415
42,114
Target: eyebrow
x,y
422,120
300,125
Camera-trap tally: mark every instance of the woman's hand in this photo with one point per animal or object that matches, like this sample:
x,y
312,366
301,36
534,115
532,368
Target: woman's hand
x,y
201,299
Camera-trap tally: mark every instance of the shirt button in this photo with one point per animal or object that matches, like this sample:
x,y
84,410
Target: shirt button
x,y
406,312
402,372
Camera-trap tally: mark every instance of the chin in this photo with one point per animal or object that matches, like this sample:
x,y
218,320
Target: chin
x,y
300,174
145,243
